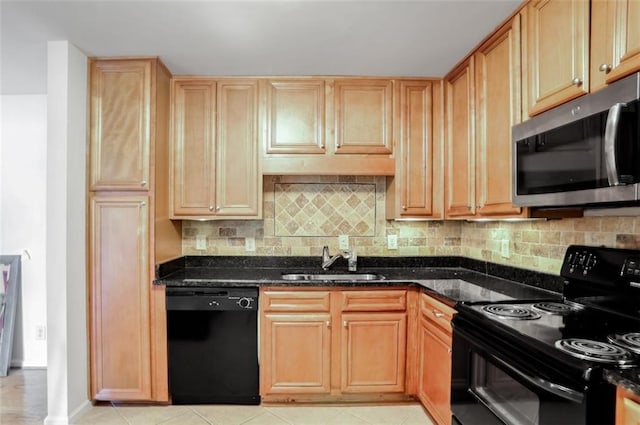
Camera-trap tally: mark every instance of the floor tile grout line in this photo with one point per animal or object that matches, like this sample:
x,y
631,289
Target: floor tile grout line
x,y
201,416
120,414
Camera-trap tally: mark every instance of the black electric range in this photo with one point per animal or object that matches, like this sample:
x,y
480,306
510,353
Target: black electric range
x,y
542,362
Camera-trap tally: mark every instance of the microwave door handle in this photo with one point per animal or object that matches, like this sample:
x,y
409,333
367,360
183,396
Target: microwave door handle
x,y
610,132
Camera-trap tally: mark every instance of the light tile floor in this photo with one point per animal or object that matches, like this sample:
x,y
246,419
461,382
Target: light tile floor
x,y
23,401
410,414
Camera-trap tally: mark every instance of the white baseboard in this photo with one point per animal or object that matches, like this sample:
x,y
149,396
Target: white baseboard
x,y
64,420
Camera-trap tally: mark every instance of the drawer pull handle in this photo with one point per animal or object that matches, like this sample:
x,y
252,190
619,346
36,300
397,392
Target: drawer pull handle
x,y
437,313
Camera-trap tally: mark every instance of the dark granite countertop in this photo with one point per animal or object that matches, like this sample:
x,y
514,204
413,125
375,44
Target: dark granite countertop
x,y
451,279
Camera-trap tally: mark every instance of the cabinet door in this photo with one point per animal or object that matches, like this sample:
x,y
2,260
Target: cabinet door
x,y
295,117
601,56
626,39
627,407
119,267
460,150
498,108
416,148
193,148
120,114
557,51
373,352
363,116
434,384
296,354
238,175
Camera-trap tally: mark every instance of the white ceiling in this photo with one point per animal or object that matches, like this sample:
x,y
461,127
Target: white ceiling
x,y
388,38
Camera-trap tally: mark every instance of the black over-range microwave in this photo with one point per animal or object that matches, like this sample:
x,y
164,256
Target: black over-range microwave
x,y
584,152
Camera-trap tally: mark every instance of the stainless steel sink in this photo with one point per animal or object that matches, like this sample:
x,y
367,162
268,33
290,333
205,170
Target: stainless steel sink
x,y
327,277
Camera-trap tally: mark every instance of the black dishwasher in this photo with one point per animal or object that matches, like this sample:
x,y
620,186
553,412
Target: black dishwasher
x,y
212,338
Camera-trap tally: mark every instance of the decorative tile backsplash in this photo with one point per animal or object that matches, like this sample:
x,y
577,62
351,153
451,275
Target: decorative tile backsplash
x,y
325,209
287,230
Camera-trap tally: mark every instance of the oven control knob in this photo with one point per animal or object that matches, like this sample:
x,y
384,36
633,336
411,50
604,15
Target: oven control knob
x,y
245,302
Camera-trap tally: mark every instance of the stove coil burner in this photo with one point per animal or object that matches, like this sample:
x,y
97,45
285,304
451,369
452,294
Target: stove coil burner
x,y
596,351
553,308
630,341
507,311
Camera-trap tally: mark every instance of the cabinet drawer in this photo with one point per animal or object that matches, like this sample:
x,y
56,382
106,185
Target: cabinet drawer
x,y
374,300
317,301
436,312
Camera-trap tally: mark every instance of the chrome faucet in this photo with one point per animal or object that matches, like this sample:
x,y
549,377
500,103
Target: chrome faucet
x,y
349,255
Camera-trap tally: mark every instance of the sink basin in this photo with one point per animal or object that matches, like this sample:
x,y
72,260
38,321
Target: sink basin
x,y
332,276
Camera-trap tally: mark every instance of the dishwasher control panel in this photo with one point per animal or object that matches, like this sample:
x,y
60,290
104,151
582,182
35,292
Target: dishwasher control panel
x,y
205,298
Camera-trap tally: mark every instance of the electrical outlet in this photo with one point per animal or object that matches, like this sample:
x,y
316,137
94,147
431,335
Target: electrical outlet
x,y
41,333
392,241
250,244
343,242
201,242
504,249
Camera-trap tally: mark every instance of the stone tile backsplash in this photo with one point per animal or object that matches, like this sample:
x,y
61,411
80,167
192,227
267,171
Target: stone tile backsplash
x,y
357,209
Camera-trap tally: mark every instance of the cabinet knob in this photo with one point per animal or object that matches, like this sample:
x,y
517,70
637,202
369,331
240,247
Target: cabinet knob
x,y
345,324
577,81
218,208
328,323
143,183
605,67
449,350
210,207
437,313
404,207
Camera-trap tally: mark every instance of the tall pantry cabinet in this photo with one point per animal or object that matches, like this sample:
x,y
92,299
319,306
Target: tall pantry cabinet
x,y
129,228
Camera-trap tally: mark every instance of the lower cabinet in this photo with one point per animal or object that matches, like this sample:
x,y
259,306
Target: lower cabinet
x,y
627,407
434,383
332,345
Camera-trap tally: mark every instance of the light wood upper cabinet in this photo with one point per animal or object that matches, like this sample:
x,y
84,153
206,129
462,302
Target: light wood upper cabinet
x,y
363,116
120,124
416,189
295,116
215,149
193,147
499,106
626,39
328,126
239,180
557,51
120,325
373,352
601,55
460,145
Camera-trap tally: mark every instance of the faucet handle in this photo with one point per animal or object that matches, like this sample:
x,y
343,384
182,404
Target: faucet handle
x,y
325,253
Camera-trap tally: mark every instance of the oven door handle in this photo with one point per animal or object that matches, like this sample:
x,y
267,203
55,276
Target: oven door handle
x,y
556,389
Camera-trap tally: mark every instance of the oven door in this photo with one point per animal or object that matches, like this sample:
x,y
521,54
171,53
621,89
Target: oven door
x,y
489,387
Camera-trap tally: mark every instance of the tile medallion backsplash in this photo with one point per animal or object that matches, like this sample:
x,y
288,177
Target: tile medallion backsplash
x,y
302,214
325,209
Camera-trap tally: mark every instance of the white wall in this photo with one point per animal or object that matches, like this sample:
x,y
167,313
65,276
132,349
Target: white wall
x,y
23,165
67,374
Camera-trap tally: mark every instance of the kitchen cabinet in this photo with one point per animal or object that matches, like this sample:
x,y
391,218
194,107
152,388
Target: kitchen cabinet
x,y
120,325
296,342
627,407
320,126
556,51
498,107
626,39
214,157
333,344
129,229
415,191
120,124
435,341
460,141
